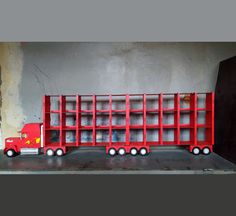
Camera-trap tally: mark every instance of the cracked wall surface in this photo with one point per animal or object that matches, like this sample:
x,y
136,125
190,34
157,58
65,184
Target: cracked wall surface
x,y
30,70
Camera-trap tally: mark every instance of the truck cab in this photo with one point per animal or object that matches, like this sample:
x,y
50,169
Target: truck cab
x,y
29,141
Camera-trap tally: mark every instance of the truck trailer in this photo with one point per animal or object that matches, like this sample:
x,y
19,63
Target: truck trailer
x,y
122,123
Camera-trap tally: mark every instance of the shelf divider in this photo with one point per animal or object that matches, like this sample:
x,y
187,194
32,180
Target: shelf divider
x,y
94,119
127,118
78,119
161,118
110,120
177,118
144,119
62,119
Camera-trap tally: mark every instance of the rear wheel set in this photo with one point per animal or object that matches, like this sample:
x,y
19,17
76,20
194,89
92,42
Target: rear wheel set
x,y
197,151
133,151
58,152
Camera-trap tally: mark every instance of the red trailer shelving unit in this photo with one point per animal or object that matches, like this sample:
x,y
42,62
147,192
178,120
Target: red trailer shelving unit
x,y
129,123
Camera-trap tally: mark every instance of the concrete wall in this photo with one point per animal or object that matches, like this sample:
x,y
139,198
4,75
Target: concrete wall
x,y
30,70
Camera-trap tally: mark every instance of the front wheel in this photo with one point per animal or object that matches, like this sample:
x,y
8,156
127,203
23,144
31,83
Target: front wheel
x,y
10,153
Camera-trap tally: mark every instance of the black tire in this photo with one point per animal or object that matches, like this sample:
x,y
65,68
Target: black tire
x,y
59,152
143,152
196,151
112,152
10,153
50,152
206,151
133,150
121,151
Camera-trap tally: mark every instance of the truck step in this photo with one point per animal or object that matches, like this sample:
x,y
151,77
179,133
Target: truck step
x,y
29,151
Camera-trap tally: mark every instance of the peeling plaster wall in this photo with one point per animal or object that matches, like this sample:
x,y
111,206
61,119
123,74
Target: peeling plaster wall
x,y
31,70
11,61
87,68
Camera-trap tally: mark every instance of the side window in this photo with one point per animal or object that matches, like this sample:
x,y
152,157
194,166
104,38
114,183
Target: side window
x,y
23,135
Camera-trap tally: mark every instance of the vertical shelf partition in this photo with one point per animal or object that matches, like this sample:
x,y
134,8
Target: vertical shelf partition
x,y
110,120
94,120
78,119
177,118
144,119
62,119
160,119
127,118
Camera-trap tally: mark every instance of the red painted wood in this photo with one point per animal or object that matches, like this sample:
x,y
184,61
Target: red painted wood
x,y
193,126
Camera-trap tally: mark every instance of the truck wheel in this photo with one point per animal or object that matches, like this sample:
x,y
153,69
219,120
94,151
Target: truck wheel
x,y
206,151
59,152
196,151
10,153
50,152
121,151
112,152
143,151
133,151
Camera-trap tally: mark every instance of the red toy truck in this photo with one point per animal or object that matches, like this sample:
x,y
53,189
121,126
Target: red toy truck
x,y
122,123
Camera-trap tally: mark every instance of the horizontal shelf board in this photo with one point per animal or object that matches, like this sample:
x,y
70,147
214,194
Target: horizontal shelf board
x,y
53,128
86,127
138,143
86,111
153,143
131,110
154,126
136,127
119,111
204,126
55,111
169,126
186,126
205,142
118,126
186,142
103,111
70,144
71,111
169,109
148,126
118,143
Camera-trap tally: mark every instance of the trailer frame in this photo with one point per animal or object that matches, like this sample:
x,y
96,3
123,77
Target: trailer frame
x,y
161,110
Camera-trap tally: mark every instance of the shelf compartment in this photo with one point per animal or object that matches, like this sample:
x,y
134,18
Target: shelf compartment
x,y
102,136
152,135
136,135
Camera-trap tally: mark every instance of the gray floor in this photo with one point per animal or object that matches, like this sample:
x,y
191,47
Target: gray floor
x,y
85,161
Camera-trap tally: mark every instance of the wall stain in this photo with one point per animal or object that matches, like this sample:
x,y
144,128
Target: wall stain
x,y
11,61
